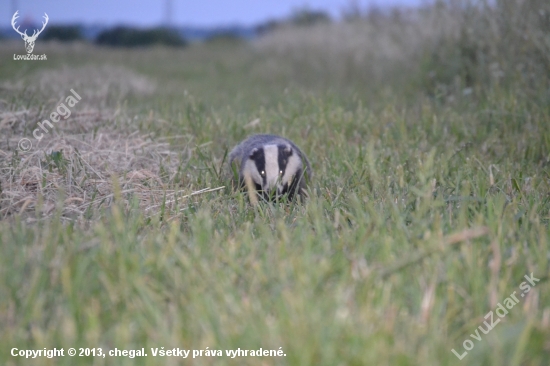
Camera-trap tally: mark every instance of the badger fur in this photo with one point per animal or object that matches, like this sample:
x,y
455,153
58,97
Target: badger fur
x,y
270,166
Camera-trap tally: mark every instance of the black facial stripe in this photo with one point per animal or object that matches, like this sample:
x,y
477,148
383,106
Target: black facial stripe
x,y
283,155
290,189
258,156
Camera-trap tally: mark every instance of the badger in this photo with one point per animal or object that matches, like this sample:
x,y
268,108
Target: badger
x,y
270,166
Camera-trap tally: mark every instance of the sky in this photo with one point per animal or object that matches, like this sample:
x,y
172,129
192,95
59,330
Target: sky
x,y
205,13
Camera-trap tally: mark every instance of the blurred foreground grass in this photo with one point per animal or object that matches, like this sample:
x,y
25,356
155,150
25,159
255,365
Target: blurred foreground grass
x,y
431,201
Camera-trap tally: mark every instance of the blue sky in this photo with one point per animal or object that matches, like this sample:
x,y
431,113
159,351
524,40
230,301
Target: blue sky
x,y
184,12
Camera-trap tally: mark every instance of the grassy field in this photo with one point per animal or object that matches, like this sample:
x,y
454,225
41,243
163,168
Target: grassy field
x,y
430,200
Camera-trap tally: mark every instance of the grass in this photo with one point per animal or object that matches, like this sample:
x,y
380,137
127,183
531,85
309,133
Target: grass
x,y
431,201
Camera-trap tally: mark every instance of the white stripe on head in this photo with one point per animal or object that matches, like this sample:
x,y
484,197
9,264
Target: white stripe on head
x,y
271,153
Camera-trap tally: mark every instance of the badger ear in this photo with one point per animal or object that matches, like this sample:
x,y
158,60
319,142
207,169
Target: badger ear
x,y
288,150
254,153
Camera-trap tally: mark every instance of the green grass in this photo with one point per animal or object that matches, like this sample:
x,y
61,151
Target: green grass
x,y
424,213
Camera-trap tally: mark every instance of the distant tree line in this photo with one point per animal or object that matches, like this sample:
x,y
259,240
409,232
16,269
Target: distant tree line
x,y
300,18
133,37
125,36
63,33
119,36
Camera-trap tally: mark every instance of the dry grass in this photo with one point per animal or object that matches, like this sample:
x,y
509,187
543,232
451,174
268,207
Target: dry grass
x,y
83,167
363,48
84,157
453,47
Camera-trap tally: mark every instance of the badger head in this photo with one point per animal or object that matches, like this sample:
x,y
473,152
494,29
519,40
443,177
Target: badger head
x,y
274,170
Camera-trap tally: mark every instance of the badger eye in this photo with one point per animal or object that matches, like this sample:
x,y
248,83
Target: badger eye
x,y
281,172
262,173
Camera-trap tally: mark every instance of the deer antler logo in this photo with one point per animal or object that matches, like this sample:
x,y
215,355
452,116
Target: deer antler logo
x,y
29,41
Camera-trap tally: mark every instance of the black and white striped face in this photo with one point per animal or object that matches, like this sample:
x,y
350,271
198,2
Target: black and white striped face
x,y
274,169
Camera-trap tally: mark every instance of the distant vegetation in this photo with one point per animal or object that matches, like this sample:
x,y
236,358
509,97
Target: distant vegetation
x,y
307,17
129,36
134,37
444,50
63,33
300,18
225,38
